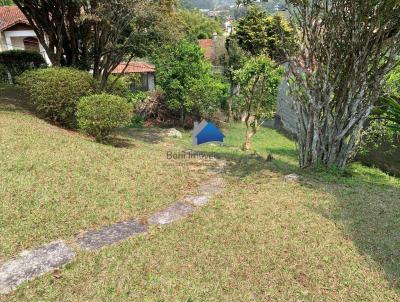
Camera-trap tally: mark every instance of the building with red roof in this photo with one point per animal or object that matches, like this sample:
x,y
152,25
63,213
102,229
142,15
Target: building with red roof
x,y
145,70
16,32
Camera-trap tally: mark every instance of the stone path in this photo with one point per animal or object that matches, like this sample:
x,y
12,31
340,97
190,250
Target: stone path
x,y
95,240
31,264
174,212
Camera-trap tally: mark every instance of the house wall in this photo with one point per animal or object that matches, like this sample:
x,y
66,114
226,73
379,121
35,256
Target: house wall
x,y
2,42
151,83
286,113
16,35
18,42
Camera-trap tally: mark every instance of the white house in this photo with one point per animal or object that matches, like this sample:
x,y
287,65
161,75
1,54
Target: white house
x,y
16,33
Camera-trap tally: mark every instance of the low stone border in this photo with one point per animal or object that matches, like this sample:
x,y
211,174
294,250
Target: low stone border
x,y
33,263
95,240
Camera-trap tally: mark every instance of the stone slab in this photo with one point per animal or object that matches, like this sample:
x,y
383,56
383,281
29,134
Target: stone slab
x,y
212,187
174,212
97,239
292,178
197,200
33,263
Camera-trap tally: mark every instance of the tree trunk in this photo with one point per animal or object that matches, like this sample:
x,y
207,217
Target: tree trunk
x,y
232,91
247,143
326,138
230,100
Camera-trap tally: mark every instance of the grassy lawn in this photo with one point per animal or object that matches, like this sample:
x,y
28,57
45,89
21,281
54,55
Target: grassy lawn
x,y
327,238
56,183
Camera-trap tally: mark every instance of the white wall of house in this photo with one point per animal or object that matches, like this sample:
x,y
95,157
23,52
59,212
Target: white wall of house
x,y
14,39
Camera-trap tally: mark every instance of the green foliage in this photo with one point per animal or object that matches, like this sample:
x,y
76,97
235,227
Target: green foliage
x,y
117,86
6,2
55,92
198,26
259,81
137,121
137,97
17,61
234,58
3,74
384,123
259,33
99,114
185,76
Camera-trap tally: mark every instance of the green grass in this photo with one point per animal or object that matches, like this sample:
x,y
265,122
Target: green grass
x,y
56,183
327,238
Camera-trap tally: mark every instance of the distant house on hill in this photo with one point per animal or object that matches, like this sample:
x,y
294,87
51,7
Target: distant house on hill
x,y
228,26
16,33
208,46
145,70
214,50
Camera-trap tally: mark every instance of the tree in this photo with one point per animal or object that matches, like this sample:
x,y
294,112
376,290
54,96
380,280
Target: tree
x,y
259,33
347,48
232,61
6,2
185,76
198,26
95,34
259,81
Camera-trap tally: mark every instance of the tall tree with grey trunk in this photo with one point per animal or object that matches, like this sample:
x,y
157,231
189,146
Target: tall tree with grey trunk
x,y
347,48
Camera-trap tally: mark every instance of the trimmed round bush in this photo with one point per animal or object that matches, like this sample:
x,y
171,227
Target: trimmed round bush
x,y
55,92
99,114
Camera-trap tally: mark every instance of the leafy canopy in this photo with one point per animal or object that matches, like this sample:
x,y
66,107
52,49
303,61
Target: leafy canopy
x,y
198,26
186,78
259,33
259,81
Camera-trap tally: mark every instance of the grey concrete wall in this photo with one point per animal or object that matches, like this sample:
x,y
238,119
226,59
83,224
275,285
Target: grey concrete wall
x,y
151,83
286,112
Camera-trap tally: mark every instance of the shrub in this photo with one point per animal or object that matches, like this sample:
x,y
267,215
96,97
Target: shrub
x,y
55,92
137,121
99,114
137,97
118,86
3,74
17,61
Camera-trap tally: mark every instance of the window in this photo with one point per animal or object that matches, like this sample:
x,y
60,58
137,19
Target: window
x,y
31,44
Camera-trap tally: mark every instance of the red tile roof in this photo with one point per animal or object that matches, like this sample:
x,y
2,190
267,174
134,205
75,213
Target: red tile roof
x,y
208,46
134,67
11,15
